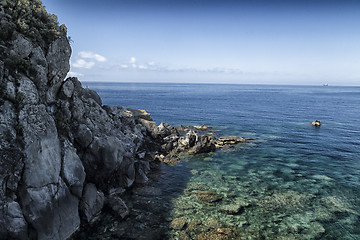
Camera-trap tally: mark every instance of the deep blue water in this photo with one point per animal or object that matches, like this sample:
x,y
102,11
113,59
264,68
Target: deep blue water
x,y
301,182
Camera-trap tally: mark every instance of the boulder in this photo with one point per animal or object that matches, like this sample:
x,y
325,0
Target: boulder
x,y
22,46
201,128
231,208
183,235
39,63
181,128
316,123
208,196
108,152
27,91
51,210
57,57
205,144
226,141
172,129
12,221
67,89
189,139
83,136
10,90
150,127
162,130
91,203
126,173
117,206
72,171
141,177
140,114
91,94
42,147
194,226
177,224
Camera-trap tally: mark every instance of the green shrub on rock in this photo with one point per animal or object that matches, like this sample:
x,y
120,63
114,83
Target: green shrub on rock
x,y
30,18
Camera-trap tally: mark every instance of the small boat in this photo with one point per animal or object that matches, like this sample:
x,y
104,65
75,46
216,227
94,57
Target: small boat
x,y
325,85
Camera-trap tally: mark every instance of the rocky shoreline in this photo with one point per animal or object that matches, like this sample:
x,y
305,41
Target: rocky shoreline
x,y
64,155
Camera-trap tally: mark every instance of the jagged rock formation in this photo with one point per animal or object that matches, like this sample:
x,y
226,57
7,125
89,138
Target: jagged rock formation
x,y
61,151
63,155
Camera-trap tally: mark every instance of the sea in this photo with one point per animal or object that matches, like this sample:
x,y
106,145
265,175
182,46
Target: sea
x,y
289,180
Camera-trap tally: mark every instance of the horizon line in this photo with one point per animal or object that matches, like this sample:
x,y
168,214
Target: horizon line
x,y
216,83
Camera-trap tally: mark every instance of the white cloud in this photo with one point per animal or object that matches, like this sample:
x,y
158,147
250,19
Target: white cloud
x,y
133,65
132,60
143,67
151,63
124,66
74,74
91,55
81,63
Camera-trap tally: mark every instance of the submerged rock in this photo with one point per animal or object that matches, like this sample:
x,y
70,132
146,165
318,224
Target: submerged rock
x,y
177,224
231,208
184,236
217,234
212,223
194,226
208,196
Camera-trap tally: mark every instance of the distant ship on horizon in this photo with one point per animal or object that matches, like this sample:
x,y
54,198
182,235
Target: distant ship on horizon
x,y
325,84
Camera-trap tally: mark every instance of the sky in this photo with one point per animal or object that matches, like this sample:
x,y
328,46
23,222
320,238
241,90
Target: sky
x,y
296,42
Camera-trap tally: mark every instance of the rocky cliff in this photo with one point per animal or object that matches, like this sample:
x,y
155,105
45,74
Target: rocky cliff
x,y
61,151
63,155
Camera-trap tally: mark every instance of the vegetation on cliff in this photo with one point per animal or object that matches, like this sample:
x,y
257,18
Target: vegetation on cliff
x,y
29,18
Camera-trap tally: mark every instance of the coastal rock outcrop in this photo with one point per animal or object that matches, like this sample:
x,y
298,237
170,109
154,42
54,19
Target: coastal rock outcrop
x,y
62,152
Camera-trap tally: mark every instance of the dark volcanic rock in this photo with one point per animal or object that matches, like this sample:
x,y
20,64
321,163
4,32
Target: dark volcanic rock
x,y
205,144
117,206
51,210
73,171
13,221
91,203
228,141
83,136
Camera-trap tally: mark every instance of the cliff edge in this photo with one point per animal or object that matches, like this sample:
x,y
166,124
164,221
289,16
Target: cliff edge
x,y
61,151
63,155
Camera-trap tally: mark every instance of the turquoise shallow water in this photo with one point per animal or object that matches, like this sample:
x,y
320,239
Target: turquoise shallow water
x,y
291,181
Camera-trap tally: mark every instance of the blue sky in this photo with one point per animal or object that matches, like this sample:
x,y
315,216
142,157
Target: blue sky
x,y
261,42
